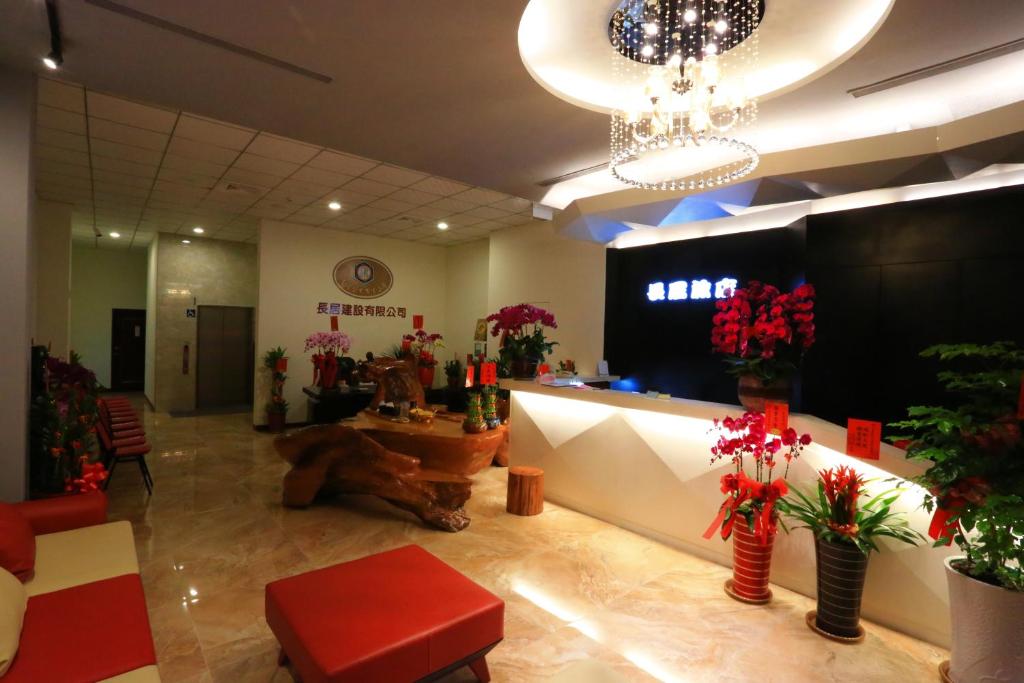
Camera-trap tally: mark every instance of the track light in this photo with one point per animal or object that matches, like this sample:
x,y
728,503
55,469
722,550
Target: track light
x,y
53,61
56,56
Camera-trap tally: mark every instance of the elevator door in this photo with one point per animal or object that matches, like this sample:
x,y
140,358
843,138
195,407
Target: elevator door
x,y
224,357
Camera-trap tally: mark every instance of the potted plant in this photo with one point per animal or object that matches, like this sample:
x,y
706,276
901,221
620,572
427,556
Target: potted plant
x,y
453,372
328,346
523,345
422,347
749,512
276,361
976,483
845,533
764,335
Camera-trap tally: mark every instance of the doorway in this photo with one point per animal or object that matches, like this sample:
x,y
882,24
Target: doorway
x,y
127,349
224,357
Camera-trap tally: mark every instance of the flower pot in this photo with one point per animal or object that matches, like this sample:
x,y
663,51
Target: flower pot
x,y
988,629
751,565
753,392
426,374
842,568
329,372
524,368
275,422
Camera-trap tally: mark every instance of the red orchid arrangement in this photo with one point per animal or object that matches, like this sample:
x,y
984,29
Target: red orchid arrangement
x,y
762,331
521,328
744,440
423,345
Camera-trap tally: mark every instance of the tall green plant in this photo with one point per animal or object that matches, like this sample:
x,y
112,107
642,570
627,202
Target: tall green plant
x,y
272,360
976,456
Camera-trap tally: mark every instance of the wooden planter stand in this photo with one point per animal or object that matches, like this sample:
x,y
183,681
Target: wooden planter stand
x,y
525,491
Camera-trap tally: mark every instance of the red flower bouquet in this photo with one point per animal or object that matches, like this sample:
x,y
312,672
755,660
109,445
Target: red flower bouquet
x,y
422,345
763,332
744,441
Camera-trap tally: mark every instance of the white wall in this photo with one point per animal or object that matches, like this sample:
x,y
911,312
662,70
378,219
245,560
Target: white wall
x,y
296,264
102,280
52,324
465,296
17,118
533,264
149,387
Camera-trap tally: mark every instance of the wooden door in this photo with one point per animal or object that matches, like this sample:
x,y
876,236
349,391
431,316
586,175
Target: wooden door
x,y
127,349
224,357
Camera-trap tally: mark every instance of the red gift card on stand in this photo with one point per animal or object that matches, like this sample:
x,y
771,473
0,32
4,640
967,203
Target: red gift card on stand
x,y
488,373
334,323
776,417
417,321
469,377
543,369
863,438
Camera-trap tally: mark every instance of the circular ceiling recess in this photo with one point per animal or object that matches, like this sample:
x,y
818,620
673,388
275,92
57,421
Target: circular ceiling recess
x,y
569,46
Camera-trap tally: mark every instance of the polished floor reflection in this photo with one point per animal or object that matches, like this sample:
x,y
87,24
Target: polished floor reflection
x,y
586,601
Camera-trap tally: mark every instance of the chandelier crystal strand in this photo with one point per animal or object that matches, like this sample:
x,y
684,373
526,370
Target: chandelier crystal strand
x,y
686,62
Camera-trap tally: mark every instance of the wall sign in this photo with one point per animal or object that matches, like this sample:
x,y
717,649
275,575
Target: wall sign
x,y
691,290
360,310
363,277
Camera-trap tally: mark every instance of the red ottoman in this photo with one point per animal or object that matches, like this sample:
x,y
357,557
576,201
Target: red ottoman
x,y
398,616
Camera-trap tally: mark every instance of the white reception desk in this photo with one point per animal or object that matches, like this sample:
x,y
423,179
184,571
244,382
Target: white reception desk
x,y
644,464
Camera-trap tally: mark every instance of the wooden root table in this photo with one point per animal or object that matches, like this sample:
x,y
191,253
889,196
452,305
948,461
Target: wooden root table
x,y
423,468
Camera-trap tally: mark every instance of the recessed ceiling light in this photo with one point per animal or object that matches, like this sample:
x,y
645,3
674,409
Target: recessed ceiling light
x,y
115,235
334,206
52,61
197,230
442,226
186,241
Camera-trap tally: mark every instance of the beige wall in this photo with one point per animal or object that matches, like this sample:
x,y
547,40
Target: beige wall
x,y
52,323
102,280
296,263
465,295
207,272
531,263
149,386
17,118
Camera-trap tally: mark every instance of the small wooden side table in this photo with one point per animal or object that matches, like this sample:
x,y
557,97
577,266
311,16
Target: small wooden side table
x,y
525,491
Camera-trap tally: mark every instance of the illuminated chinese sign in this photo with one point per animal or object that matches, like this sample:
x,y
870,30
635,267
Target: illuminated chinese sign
x,y
691,290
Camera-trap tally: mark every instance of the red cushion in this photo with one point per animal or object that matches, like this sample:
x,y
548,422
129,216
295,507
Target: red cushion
x,y
126,426
128,451
63,513
394,616
85,633
118,442
129,433
17,543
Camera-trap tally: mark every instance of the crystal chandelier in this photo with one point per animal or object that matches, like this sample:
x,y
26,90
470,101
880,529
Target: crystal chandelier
x,y
685,63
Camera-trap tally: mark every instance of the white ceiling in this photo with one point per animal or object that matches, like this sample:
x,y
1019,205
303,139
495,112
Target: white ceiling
x,y
138,169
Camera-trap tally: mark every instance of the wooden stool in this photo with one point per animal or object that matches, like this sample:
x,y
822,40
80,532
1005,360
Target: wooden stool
x,y
525,491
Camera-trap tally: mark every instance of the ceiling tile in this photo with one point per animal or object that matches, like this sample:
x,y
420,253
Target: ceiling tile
x,y
146,171
60,119
440,186
389,204
131,113
369,187
62,169
64,180
348,198
321,177
414,197
65,156
429,212
514,204
114,150
393,175
254,162
488,212
62,139
61,95
341,163
243,176
514,220
101,129
117,178
192,149
194,165
452,205
187,178
282,149
485,226
479,195
212,132
366,215
304,188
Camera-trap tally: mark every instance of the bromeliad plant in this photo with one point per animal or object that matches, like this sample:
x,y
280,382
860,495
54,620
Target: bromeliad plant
x,y
745,442
976,456
763,332
836,515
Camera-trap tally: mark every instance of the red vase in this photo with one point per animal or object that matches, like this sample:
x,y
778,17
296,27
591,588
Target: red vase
x,y
426,376
329,372
751,565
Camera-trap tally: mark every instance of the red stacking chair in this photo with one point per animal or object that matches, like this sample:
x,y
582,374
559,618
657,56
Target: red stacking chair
x,y
125,449
120,424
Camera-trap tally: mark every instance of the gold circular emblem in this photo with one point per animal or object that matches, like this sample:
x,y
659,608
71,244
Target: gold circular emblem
x,y
363,277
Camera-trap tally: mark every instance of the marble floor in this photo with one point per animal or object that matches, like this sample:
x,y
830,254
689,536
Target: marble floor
x,y
585,600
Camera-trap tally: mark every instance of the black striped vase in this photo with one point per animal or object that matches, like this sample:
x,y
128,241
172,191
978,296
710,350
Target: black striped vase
x,y
841,571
